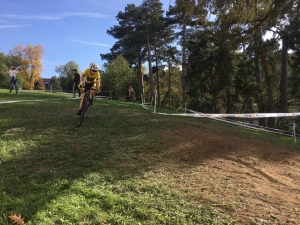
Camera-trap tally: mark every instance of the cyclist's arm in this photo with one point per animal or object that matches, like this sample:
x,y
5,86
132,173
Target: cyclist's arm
x,y
80,82
81,78
98,84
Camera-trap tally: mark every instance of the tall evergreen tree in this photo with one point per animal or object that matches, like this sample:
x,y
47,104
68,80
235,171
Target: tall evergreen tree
x,y
132,39
185,14
155,30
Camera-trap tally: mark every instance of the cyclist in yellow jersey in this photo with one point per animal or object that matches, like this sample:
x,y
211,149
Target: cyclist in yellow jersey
x,y
91,77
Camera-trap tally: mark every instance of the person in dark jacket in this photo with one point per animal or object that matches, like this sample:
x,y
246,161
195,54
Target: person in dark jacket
x,y
76,79
36,85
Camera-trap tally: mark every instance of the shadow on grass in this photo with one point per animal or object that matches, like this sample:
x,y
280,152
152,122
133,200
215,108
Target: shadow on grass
x,y
44,153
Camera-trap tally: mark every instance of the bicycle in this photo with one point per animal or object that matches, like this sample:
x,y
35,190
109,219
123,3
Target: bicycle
x,y
84,107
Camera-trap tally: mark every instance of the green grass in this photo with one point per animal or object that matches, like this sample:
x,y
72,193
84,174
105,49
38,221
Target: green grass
x,y
31,95
53,172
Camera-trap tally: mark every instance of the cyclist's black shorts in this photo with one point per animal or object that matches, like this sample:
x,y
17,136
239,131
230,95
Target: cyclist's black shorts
x,y
88,86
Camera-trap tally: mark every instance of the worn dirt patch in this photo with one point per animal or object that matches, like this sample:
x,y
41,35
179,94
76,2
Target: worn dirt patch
x,y
252,181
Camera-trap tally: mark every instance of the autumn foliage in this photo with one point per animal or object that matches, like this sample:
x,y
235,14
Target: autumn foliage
x,y
30,63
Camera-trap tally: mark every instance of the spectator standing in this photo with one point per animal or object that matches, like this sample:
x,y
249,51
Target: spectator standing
x,y
13,79
46,85
36,85
76,79
131,93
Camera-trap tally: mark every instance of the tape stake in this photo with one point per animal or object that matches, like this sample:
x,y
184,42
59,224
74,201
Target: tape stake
x,y
155,102
294,132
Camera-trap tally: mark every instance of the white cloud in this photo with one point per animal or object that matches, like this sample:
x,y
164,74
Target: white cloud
x,y
93,15
57,16
49,62
91,43
13,26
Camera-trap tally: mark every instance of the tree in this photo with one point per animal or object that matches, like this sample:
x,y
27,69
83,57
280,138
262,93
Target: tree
x,y
69,74
31,67
131,37
170,84
243,18
55,82
289,32
152,15
65,75
185,14
118,75
3,71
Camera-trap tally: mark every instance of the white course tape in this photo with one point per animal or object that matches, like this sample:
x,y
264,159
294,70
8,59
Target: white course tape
x,y
254,115
249,115
38,100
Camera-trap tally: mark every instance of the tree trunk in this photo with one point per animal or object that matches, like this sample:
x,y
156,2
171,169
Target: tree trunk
x,y
140,78
169,81
228,104
183,73
152,95
271,120
260,105
257,39
283,80
157,77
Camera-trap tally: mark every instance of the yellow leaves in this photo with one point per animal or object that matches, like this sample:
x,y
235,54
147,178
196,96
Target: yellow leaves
x,y
31,66
18,220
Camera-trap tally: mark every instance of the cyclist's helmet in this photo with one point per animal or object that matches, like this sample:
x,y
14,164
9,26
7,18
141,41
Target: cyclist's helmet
x,y
94,66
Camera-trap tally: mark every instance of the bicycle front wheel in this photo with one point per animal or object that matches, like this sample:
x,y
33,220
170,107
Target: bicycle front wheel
x,y
84,110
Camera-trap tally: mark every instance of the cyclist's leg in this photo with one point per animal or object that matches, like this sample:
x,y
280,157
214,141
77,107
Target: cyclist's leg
x,y
92,93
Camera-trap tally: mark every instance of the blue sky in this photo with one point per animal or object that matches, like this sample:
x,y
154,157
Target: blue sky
x,y
69,30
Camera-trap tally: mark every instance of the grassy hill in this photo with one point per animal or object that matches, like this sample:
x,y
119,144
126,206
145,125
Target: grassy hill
x,y
126,165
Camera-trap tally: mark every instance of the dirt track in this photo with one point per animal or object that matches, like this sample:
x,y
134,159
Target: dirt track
x,y
252,181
